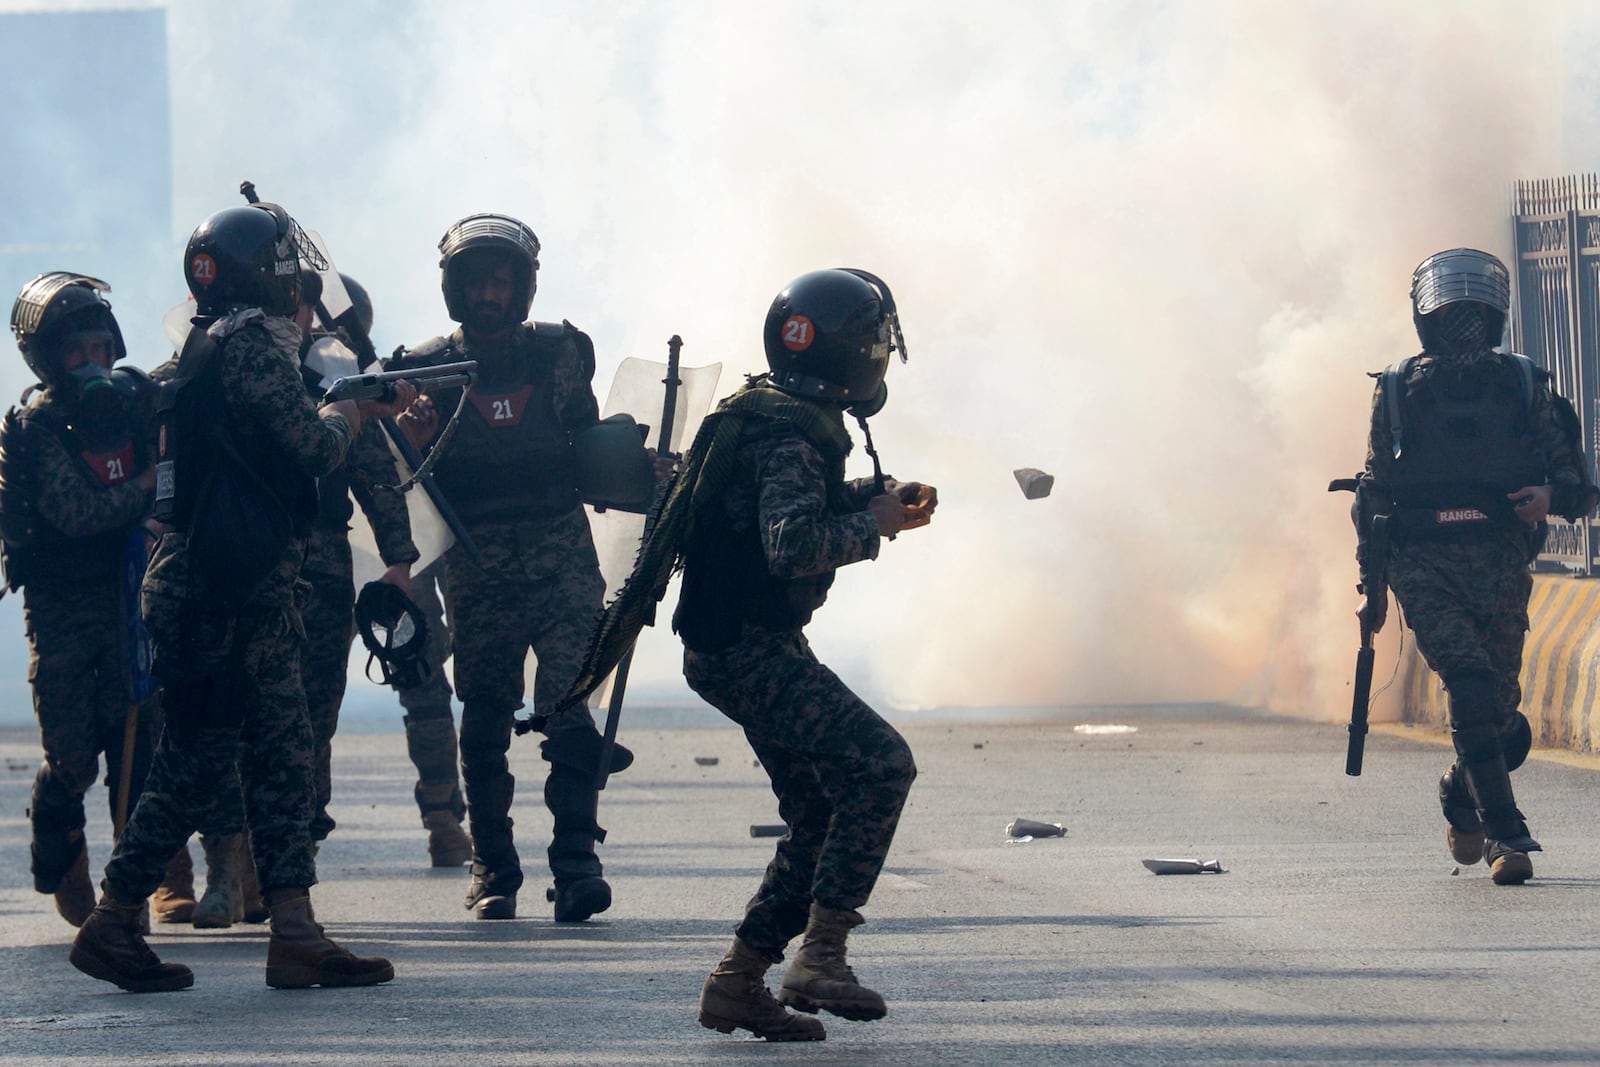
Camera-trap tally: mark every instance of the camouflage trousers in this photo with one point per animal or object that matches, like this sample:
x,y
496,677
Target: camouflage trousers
x,y
235,713
840,773
327,614
539,587
78,670
1467,603
430,720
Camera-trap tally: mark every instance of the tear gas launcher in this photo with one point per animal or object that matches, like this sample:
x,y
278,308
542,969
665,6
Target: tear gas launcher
x,y
379,385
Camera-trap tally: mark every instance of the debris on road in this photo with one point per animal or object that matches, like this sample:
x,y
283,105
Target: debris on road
x,y
768,829
1184,866
707,761
1032,828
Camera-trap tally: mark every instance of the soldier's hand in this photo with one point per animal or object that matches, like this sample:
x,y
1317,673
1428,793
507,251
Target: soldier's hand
x,y
890,513
405,394
147,479
419,422
398,576
663,463
920,501
1373,611
1532,502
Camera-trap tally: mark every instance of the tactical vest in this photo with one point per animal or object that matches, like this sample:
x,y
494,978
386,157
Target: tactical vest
x,y
511,459
1463,443
726,581
34,550
192,417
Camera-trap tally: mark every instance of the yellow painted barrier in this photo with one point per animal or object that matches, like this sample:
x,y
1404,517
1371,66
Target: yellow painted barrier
x,y
1560,668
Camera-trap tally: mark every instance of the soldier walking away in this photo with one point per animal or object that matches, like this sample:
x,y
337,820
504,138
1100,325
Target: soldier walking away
x,y
327,609
240,449
431,732
773,519
76,479
1469,450
509,474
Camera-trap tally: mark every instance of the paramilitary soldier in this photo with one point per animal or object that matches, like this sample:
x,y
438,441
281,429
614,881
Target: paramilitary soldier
x,y
1469,450
773,520
245,445
76,477
510,475
327,611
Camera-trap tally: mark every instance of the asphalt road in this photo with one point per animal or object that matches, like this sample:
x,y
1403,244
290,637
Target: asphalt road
x,y
1341,933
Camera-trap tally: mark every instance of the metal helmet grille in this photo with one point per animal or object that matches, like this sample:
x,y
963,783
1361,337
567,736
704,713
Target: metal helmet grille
x,y
487,229
28,311
1460,274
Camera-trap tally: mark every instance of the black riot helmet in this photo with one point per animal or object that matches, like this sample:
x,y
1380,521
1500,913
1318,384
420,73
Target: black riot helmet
x,y
1458,296
488,235
829,334
251,256
54,308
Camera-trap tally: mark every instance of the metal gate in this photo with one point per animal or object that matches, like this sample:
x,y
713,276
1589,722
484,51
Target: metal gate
x,y
1556,320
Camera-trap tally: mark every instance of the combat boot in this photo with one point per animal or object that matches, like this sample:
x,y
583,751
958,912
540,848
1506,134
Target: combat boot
x,y
75,892
735,996
300,954
109,947
173,901
493,894
222,905
578,898
1463,830
819,978
1509,863
442,808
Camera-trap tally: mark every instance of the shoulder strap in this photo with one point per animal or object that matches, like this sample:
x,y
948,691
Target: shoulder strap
x,y
1394,386
1527,375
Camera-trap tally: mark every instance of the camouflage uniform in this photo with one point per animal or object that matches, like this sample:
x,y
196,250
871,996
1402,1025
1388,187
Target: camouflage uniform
x,y
1465,585
536,585
327,610
231,675
840,772
430,720
75,617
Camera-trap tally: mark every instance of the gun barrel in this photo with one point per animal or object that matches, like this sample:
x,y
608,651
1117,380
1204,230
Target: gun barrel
x,y
1356,749
381,383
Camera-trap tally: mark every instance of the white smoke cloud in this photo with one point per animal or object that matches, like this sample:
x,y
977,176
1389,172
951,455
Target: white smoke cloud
x,y
1149,247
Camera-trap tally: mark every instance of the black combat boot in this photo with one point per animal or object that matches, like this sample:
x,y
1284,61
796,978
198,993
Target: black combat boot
x,y
735,996
109,947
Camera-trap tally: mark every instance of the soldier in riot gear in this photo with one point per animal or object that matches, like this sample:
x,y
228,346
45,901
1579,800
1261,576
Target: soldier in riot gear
x,y
773,519
75,484
1469,450
239,450
509,474
327,609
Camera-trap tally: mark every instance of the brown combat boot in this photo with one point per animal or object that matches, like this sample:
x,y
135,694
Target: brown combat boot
x,y
173,901
819,978
736,997
75,892
441,807
222,905
109,947
300,954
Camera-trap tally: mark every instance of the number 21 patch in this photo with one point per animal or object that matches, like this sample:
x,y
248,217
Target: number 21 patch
x,y
502,409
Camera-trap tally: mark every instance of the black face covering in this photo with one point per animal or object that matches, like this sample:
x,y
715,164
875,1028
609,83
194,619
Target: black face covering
x,y
1460,332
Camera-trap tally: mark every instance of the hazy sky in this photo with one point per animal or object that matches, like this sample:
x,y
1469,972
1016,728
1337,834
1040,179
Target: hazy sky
x,y
1151,248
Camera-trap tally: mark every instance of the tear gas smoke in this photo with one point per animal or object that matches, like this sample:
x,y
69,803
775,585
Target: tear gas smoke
x,y
1148,247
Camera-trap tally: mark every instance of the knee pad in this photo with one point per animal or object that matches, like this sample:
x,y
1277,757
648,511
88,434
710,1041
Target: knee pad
x,y
579,750
1516,740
